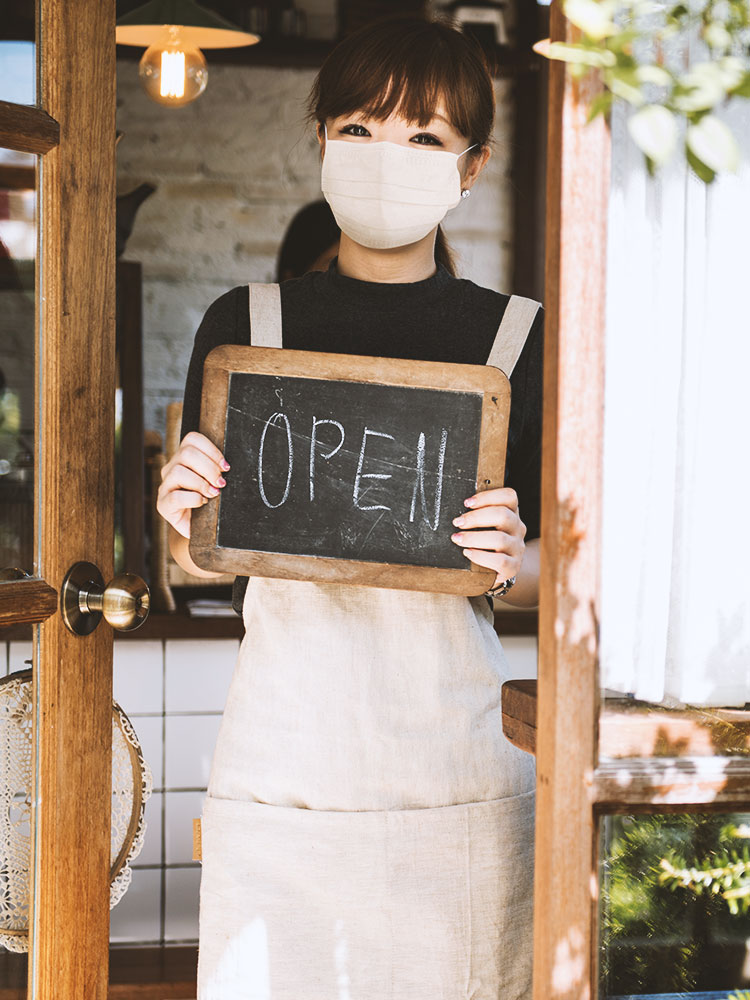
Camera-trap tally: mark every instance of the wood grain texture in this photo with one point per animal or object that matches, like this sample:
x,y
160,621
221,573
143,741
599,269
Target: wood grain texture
x,y
519,700
73,682
485,379
26,601
27,129
631,730
680,784
565,893
146,973
637,729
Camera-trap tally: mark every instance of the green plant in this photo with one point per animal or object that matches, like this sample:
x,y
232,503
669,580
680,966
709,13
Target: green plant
x,y
657,935
725,874
639,48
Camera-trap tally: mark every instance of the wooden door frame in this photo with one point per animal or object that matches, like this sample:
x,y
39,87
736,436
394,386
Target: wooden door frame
x,y
566,853
73,677
74,129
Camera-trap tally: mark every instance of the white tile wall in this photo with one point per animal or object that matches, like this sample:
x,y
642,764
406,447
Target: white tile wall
x,y
138,676
162,901
181,911
151,854
198,673
137,917
18,654
190,741
174,693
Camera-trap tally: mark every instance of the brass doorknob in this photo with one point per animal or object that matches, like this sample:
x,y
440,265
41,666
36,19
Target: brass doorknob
x,y
84,600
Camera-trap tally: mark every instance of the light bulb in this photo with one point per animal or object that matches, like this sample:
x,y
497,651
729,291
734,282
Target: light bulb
x,y
173,72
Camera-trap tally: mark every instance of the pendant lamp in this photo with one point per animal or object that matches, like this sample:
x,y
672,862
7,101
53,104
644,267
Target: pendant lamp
x,y
172,70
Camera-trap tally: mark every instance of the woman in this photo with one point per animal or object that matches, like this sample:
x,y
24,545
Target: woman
x,y
368,830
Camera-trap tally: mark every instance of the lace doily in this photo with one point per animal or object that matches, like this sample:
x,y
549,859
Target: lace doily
x,y
132,784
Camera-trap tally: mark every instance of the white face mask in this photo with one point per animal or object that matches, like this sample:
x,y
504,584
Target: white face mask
x,y
386,195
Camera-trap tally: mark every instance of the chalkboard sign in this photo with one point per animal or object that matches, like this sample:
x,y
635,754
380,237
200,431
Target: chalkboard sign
x,y
348,468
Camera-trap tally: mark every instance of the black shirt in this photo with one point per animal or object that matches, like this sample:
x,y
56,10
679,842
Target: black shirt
x,y
441,318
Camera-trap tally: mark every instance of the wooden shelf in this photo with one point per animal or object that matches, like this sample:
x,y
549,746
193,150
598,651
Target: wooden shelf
x,y
181,625
148,973
303,53
634,729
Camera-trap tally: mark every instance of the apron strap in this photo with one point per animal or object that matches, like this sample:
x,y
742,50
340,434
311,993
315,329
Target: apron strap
x,y
511,335
265,315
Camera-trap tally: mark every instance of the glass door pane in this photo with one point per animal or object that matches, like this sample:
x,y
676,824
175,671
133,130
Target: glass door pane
x,y
675,919
675,619
18,242
17,53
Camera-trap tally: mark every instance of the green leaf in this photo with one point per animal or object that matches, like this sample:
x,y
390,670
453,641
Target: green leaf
x,y
622,39
732,70
713,143
600,105
593,17
706,174
716,36
654,130
579,53
700,89
623,83
743,88
654,74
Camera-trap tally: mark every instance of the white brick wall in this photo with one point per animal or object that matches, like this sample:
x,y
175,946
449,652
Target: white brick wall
x,y
232,169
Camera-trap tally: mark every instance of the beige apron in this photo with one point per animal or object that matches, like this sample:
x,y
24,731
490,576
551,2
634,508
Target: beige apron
x,y
368,830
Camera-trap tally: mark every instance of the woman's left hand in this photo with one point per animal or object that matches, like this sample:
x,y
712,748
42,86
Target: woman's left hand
x,y
501,547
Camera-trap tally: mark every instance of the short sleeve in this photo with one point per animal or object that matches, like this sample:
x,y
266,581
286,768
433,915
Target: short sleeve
x,y
225,322
523,469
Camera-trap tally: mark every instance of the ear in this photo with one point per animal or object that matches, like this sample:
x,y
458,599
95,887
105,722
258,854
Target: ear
x,y
320,131
475,166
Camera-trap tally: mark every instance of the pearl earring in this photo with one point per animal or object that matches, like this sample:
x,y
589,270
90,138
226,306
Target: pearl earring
x,y
465,193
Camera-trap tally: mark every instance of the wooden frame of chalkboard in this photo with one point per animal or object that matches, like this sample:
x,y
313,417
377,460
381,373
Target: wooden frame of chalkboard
x,y
257,398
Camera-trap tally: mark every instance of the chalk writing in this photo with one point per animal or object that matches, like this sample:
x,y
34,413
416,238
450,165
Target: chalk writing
x,y
290,460
348,470
368,475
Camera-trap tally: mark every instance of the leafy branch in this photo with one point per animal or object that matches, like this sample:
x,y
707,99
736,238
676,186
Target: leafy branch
x,y
639,47
726,875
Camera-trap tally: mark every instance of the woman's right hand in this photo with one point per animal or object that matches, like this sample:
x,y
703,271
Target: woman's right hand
x,y
192,477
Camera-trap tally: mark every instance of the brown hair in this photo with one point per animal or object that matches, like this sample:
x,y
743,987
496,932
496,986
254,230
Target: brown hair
x,y
409,64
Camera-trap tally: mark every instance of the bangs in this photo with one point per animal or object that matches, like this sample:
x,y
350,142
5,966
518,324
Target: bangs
x,y
409,66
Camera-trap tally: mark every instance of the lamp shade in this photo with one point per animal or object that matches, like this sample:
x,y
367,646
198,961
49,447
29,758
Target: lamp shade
x,y
148,25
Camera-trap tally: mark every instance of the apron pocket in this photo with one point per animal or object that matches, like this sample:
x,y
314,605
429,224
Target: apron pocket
x,y
408,904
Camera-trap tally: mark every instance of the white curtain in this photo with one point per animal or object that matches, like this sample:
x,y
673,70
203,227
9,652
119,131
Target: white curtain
x,y
675,607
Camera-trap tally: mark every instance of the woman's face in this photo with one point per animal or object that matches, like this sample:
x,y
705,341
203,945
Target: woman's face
x,y
437,134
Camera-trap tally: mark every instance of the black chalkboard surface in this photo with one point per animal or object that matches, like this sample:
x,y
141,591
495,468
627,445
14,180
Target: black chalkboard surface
x,y
348,469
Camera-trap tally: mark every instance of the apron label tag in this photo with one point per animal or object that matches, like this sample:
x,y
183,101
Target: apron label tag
x,y
197,845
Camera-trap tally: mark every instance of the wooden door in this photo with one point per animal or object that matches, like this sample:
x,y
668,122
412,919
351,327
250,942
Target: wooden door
x,y
70,128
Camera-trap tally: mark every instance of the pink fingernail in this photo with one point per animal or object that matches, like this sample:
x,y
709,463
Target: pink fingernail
x,y
213,491
458,521
470,502
225,465
456,536
221,481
